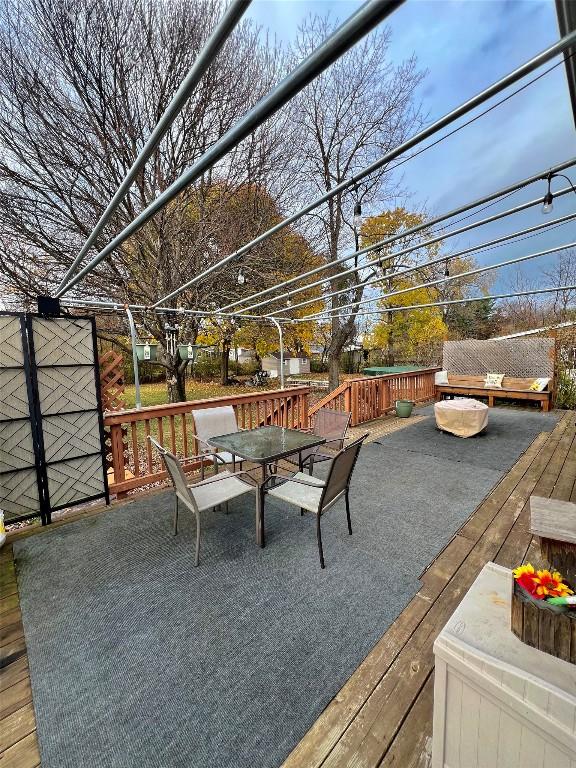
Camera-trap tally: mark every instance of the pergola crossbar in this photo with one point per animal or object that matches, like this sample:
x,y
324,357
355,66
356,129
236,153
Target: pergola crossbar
x,y
450,278
399,235
349,33
433,262
446,302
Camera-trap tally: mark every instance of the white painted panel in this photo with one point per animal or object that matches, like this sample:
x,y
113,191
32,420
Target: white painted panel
x,y
556,757
469,726
532,750
509,741
453,720
505,705
488,723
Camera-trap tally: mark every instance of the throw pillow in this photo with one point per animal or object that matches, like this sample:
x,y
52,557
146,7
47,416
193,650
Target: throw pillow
x,y
539,385
441,377
494,380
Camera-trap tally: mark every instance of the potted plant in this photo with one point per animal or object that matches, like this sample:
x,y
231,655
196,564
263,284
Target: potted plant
x,y
404,408
147,351
188,351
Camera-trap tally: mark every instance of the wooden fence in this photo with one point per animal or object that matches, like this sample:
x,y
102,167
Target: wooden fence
x,y
370,397
135,464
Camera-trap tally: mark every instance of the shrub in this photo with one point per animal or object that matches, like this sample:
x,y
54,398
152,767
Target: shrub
x,y
317,366
566,391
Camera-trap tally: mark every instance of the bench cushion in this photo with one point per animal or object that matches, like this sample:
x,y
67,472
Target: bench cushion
x,y
509,383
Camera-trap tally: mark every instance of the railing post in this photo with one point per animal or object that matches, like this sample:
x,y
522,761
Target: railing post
x,y
348,399
118,456
354,409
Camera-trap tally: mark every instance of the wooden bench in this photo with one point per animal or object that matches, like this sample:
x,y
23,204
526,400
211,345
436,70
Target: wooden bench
x,y
512,389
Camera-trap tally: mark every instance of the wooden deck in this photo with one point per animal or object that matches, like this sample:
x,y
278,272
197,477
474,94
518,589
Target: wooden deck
x,y
383,714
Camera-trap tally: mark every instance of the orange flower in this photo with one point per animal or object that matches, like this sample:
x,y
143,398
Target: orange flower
x,y
541,584
551,584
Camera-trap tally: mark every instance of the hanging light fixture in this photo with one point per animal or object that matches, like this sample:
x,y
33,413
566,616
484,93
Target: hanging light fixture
x,y
446,270
547,203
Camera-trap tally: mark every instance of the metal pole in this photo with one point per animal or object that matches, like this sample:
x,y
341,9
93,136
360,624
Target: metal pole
x,y
115,306
354,29
441,259
134,358
330,314
207,55
463,109
410,249
451,278
406,233
567,324
279,327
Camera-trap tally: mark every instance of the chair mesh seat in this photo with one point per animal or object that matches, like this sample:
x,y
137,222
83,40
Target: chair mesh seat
x,y
300,495
225,456
209,493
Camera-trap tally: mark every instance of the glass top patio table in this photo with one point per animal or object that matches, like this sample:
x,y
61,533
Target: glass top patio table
x,y
265,444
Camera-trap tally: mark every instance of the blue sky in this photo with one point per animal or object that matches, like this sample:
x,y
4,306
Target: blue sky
x,y
466,45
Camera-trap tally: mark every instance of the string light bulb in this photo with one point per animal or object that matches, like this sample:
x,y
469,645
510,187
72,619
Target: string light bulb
x,y
548,204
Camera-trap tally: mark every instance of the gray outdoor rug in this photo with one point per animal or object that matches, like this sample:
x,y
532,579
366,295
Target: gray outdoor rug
x,y
138,659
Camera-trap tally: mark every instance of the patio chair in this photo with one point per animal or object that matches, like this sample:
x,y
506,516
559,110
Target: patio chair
x,y
207,494
314,495
212,422
330,424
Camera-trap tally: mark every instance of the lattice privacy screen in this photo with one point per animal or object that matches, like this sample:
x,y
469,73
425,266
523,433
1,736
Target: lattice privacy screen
x,y
523,358
52,415
20,490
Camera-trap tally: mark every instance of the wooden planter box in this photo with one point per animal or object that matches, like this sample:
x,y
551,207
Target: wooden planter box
x,y
543,626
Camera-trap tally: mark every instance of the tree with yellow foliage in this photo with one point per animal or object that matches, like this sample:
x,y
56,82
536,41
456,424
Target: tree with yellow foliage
x,y
407,332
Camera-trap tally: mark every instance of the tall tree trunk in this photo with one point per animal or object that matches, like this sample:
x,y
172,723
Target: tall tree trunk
x,y
333,370
334,352
175,379
224,361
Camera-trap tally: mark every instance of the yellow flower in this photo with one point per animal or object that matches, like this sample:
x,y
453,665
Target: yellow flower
x,y
522,569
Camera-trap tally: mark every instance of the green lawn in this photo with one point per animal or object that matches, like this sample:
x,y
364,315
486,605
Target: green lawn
x,y
156,394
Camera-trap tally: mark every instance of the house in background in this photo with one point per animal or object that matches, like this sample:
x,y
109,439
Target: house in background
x,y
292,365
242,355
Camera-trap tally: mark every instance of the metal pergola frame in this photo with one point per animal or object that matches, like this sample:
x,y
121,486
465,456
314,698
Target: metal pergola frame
x,y
356,27
444,121
533,331
416,247
411,231
130,308
350,32
446,279
213,46
470,299
432,262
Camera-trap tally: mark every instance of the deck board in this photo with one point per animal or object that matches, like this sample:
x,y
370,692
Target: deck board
x,y
383,714
393,726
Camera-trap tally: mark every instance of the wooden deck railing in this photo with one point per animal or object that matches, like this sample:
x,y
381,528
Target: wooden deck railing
x,y
370,397
135,464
